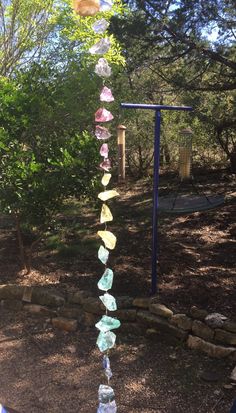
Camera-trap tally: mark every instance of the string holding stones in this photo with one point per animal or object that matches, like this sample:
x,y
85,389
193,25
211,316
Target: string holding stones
x,y
106,338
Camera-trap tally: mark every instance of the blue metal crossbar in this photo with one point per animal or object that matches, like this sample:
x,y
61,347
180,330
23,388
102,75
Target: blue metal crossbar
x,y
157,136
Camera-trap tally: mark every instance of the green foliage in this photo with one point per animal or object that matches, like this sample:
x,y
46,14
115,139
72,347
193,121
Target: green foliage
x,y
24,27
42,159
183,53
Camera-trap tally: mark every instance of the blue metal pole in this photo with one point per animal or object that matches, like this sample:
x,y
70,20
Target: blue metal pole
x,y
157,109
155,199
153,107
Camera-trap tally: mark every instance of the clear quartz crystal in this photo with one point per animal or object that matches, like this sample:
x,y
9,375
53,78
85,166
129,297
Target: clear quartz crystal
x,y
105,394
107,408
107,323
101,47
106,5
102,133
102,68
105,341
100,26
105,283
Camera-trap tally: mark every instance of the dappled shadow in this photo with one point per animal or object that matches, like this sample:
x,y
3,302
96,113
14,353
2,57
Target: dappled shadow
x,y
196,251
53,371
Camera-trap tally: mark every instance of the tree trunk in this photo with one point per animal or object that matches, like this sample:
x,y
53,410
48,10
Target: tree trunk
x,y
20,243
232,158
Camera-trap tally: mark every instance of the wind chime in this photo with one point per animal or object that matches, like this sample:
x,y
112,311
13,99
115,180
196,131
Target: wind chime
x,y
106,338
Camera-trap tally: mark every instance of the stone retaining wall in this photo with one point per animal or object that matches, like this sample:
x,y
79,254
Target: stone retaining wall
x,y
211,333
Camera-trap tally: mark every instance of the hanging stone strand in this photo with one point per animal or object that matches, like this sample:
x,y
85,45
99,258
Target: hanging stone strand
x,y
106,338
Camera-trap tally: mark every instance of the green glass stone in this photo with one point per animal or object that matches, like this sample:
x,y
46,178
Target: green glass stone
x,y
107,323
109,301
105,283
105,341
103,254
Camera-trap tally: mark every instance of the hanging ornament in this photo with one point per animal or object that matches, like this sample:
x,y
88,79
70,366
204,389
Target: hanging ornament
x,y
100,26
103,115
106,95
102,133
86,7
103,255
101,47
106,281
102,68
109,301
106,179
106,215
104,150
108,238
106,5
105,195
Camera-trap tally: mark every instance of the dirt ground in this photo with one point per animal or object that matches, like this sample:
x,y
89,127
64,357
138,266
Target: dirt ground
x,y
46,370
52,371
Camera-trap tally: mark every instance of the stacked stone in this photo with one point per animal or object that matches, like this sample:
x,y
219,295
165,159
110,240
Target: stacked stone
x,y
106,338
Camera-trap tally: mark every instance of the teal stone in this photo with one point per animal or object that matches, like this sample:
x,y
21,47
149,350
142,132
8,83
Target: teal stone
x,y
107,323
105,283
103,254
105,341
109,301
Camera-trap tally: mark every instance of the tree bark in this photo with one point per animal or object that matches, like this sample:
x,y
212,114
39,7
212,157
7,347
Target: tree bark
x,y
232,158
20,243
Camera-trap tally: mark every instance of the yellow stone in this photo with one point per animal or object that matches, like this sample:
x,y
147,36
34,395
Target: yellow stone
x,y
106,214
106,179
104,196
108,238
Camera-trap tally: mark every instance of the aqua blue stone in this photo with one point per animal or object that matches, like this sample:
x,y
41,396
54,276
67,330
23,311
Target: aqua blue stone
x,y
105,341
105,283
109,301
105,394
107,323
107,407
103,254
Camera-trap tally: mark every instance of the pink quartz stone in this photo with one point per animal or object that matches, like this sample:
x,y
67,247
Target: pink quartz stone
x,y
106,95
102,133
103,115
106,165
104,150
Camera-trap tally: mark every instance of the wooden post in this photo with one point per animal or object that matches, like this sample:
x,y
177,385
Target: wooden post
x,y
121,152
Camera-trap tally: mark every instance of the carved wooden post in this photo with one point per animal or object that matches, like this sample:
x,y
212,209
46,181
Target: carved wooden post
x,y
121,152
